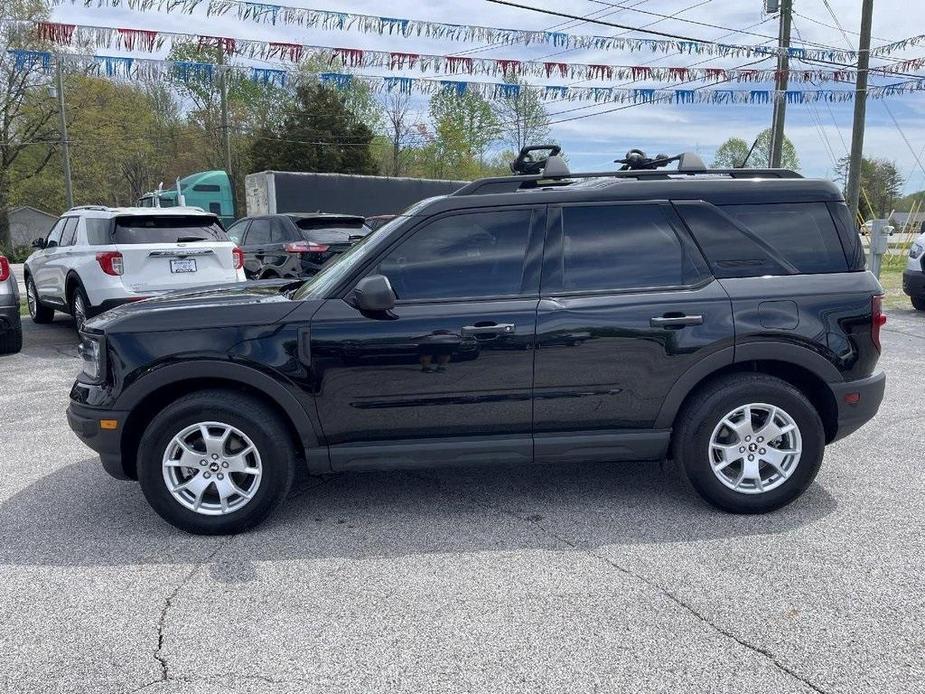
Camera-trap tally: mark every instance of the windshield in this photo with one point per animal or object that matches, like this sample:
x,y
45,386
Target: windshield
x,y
167,229
321,284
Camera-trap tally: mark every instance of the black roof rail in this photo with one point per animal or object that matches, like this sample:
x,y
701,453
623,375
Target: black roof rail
x,y
510,184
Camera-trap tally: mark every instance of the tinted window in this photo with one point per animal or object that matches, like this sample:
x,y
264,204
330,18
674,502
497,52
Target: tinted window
x,y
803,233
206,188
166,229
621,247
98,231
54,235
215,208
236,231
327,230
467,255
259,233
731,250
278,233
70,231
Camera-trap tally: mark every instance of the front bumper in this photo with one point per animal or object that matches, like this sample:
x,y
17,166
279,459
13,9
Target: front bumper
x,y
914,283
85,422
857,402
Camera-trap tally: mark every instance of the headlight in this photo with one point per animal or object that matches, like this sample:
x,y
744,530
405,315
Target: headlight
x,y
90,350
915,251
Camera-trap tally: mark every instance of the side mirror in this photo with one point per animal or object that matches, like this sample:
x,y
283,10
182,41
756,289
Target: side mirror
x,y
38,243
374,293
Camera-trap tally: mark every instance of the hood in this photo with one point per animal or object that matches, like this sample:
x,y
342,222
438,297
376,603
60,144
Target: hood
x,y
244,303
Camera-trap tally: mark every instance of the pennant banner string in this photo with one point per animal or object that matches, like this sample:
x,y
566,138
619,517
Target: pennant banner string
x,y
150,41
266,13
120,67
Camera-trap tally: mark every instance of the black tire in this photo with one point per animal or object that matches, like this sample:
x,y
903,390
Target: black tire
x,y
705,410
39,312
11,340
242,412
918,303
79,315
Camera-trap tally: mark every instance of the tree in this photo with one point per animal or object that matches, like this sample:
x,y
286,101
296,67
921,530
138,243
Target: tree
x,y
399,129
318,134
881,183
27,108
733,152
522,116
464,128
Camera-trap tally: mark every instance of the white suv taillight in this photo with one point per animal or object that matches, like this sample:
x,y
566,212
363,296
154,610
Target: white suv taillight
x,y
238,255
110,262
4,268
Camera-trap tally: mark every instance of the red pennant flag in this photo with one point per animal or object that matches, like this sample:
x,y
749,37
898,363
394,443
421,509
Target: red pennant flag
x,y
138,39
287,51
561,68
55,32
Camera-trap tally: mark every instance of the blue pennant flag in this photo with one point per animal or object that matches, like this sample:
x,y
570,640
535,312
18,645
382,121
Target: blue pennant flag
x,y
340,80
402,83
556,92
794,97
263,75
507,91
115,66
556,38
259,10
452,85
186,71
684,96
643,95
392,25
23,59
759,96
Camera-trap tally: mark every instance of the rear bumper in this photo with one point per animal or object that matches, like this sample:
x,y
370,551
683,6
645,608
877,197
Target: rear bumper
x,y
85,423
9,317
914,283
869,395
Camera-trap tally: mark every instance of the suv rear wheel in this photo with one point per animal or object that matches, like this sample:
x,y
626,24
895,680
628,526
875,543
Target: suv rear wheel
x,y
215,462
37,310
918,303
749,443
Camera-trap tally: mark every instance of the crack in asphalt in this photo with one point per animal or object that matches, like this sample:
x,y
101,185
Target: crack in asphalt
x,y
768,655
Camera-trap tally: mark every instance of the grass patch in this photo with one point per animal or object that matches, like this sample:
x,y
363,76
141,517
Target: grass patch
x,y
23,308
891,277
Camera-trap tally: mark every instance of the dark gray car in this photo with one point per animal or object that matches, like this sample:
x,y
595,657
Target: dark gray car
x,y
294,244
10,322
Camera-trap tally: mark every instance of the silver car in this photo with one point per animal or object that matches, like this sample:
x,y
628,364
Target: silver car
x,y
10,323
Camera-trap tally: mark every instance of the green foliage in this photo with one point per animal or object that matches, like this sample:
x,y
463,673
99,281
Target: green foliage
x,y
733,152
318,134
881,183
907,203
523,118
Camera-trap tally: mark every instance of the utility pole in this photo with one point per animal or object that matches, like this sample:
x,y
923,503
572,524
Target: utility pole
x,y
223,104
860,110
65,146
781,83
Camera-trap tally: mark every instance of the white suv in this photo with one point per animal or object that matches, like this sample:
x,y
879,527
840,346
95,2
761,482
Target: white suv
x,y
95,258
914,274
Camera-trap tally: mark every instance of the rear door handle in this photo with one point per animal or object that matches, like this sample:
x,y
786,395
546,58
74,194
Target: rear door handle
x,y
489,329
675,321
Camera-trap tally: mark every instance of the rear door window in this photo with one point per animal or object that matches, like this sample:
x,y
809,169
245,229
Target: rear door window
x,y
803,233
167,229
236,231
621,247
259,233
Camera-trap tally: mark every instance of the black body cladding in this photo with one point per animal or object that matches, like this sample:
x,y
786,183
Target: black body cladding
x,y
527,326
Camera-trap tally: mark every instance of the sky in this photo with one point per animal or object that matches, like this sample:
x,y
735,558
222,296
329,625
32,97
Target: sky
x,y
820,132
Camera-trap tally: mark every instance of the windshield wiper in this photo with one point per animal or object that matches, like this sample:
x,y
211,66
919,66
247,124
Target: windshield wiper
x,y
189,239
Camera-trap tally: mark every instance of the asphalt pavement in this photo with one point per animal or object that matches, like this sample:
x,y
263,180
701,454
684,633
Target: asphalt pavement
x,y
572,578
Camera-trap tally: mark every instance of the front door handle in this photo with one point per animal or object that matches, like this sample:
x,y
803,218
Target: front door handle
x,y
488,329
675,321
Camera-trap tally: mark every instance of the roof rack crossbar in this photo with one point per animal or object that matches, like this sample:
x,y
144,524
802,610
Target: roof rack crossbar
x,y
506,184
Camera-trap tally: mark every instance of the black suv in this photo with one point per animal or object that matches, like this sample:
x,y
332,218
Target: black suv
x,y
296,244
723,318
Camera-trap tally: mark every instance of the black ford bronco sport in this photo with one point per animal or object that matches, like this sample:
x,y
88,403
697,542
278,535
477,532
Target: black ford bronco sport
x,y
722,318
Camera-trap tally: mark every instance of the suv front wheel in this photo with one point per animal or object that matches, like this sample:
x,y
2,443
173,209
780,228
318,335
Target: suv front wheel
x,y
749,443
215,462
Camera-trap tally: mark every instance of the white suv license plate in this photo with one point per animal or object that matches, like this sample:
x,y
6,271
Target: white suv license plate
x,y
183,265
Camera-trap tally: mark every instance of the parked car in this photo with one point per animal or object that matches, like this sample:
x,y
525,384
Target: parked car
x,y
868,225
95,258
294,244
10,322
914,274
720,317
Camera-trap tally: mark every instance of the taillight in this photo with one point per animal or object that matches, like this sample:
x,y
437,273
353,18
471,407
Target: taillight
x,y
110,262
238,256
305,247
877,319
4,268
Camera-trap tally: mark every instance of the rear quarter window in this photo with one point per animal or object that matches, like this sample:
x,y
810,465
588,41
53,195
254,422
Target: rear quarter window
x,y
802,233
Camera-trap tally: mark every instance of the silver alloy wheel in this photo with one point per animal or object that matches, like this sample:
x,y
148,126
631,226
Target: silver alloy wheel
x,y
80,311
30,297
212,468
755,448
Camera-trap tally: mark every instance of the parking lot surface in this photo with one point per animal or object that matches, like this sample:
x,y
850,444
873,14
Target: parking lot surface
x,y
573,578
